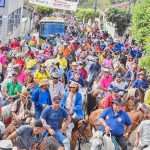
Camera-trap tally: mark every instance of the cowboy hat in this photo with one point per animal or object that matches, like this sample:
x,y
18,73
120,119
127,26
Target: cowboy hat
x,y
24,94
141,73
65,44
55,75
74,64
6,144
73,84
106,70
44,82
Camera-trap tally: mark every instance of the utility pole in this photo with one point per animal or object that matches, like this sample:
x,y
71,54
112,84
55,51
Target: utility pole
x,y
95,8
130,1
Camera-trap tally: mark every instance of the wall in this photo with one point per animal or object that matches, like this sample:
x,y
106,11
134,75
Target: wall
x,y
10,6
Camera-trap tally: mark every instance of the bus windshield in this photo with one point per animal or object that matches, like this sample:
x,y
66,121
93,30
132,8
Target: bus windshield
x,y
49,28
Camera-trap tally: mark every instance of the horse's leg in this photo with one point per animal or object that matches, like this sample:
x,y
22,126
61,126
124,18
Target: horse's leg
x,y
74,139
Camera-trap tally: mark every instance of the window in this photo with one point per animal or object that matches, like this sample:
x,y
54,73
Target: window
x,y
0,24
14,21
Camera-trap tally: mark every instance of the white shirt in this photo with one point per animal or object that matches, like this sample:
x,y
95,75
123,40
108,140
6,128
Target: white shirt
x,y
144,130
56,89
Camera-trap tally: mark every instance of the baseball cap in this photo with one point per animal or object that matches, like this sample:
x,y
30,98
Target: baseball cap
x,y
118,75
117,102
56,99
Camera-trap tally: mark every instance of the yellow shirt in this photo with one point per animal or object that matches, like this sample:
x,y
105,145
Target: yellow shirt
x,y
39,77
30,63
147,98
62,62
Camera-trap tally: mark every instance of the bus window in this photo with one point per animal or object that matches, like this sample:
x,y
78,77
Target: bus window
x,y
49,28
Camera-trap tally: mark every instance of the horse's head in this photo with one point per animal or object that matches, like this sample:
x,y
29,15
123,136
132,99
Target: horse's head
x,y
96,141
85,129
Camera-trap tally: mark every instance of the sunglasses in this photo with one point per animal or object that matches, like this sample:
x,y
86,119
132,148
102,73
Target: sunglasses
x,y
55,78
14,75
57,102
72,87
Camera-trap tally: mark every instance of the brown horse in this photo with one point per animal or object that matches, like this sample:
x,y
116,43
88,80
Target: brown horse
x,y
81,133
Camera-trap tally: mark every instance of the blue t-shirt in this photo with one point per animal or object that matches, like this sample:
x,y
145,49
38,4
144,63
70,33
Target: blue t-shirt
x,y
25,138
119,46
43,97
140,84
52,117
116,123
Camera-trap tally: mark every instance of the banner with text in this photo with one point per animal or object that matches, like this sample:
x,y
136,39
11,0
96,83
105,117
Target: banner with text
x,y
58,4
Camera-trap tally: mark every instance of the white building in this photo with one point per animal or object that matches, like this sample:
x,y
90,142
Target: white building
x,y
10,19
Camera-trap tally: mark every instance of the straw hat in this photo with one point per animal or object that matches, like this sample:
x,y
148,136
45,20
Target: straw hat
x,y
141,73
44,82
24,94
73,84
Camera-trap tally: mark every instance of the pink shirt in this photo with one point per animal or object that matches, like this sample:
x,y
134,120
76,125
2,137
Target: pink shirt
x,y
129,65
105,82
22,77
108,63
3,60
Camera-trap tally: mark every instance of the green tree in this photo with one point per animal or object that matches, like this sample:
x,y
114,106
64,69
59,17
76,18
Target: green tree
x,y
141,29
83,13
120,18
44,10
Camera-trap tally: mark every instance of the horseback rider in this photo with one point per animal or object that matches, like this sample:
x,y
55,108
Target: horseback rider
x,y
12,89
72,101
56,87
23,108
94,70
112,120
52,117
30,136
122,86
41,98
141,82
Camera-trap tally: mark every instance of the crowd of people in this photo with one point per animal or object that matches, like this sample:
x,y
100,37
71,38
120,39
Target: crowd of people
x,y
43,92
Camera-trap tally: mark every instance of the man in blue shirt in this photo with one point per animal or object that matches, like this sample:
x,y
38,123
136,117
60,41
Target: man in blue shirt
x,y
74,66
118,46
52,117
141,82
77,78
113,120
41,98
94,70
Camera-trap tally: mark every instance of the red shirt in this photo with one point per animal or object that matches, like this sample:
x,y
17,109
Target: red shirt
x,y
109,99
73,47
83,73
20,62
14,45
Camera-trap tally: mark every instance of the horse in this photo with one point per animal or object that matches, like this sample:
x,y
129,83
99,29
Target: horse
x,y
100,141
81,133
47,144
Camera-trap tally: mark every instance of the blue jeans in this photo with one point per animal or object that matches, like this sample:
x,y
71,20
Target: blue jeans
x,y
4,103
59,136
37,114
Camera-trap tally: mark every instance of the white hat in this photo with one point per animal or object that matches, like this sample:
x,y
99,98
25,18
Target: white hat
x,y
6,144
106,70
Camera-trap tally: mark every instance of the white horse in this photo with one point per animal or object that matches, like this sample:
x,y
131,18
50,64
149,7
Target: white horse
x,y
100,141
